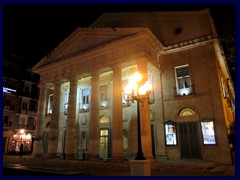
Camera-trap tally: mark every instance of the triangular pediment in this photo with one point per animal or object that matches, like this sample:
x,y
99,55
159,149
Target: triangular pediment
x,y
84,40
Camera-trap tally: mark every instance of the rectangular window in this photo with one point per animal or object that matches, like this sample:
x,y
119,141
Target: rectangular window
x,y
104,95
170,134
65,108
85,96
183,82
27,89
8,102
104,92
223,88
50,103
124,84
208,132
24,105
32,105
5,123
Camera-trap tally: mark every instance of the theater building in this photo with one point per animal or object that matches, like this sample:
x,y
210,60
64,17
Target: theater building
x,y
82,112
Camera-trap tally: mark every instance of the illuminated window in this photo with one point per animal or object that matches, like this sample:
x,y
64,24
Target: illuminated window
x,y
104,95
84,99
223,88
65,108
50,104
124,84
183,82
208,132
170,133
85,96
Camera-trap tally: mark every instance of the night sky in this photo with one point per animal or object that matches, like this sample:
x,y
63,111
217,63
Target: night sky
x,y
32,31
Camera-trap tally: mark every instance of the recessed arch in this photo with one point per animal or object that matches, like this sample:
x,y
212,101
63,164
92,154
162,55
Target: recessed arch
x,y
103,119
187,111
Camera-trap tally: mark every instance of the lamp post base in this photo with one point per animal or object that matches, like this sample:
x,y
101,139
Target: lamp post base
x,y
140,167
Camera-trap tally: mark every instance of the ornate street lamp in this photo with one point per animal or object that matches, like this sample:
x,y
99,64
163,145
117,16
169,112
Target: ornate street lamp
x,y
134,91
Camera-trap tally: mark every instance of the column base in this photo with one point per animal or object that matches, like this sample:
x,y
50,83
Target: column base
x,y
161,157
51,156
140,167
37,155
69,156
117,159
93,157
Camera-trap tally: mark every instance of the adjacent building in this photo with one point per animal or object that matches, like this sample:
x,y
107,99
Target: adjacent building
x,y
20,99
82,110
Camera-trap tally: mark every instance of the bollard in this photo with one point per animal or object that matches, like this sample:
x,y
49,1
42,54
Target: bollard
x,y
84,156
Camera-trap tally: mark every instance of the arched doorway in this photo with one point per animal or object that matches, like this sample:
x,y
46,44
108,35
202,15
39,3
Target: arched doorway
x,y
189,134
104,138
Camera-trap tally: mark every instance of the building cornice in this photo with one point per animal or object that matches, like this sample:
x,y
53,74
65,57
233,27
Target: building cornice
x,y
187,44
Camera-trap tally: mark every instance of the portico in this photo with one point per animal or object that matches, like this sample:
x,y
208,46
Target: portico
x,y
81,80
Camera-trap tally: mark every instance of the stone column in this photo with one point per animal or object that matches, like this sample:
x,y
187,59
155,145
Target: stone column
x,y
94,118
53,135
145,116
37,146
70,146
117,125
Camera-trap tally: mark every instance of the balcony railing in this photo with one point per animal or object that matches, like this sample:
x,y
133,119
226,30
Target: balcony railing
x,y
10,108
184,91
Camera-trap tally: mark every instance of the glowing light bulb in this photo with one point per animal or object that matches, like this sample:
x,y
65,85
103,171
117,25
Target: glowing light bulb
x,y
148,86
137,77
142,90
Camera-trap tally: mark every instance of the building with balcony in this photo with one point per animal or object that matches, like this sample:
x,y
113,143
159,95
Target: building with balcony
x,y
82,109
20,98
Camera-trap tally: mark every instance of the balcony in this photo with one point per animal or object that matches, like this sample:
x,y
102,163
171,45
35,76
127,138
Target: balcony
x,y
184,91
8,108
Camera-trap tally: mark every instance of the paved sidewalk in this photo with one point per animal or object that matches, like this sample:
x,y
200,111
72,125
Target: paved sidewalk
x,y
109,168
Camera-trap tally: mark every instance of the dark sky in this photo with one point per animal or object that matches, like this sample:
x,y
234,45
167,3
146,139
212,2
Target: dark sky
x,y
32,31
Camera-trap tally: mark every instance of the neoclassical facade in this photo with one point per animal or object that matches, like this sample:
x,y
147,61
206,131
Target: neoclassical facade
x,y
82,112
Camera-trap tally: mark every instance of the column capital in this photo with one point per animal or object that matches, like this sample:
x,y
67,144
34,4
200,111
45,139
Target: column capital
x,y
116,66
95,73
74,78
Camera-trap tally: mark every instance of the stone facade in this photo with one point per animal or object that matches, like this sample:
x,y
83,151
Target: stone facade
x,y
82,112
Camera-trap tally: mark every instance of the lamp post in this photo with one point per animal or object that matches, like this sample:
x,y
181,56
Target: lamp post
x,y
134,91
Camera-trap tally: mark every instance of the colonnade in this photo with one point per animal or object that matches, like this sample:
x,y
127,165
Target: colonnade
x,y
116,129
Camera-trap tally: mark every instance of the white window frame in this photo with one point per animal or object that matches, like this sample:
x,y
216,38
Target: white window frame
x,y
184,90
